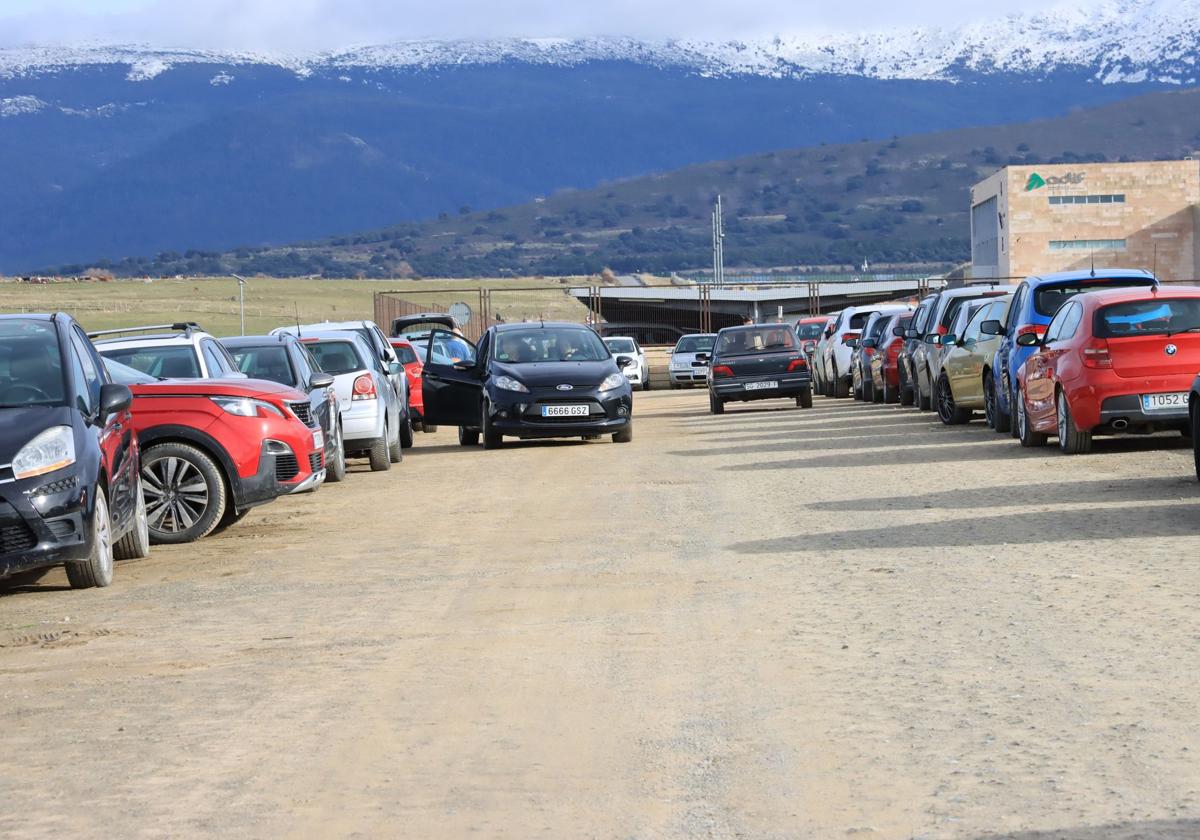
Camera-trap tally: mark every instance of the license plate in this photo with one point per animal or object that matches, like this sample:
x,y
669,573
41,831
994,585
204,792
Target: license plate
x,y
1164,402
318,439
565,411
761,386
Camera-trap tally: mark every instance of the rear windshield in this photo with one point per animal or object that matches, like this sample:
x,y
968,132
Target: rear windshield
x,y
877,327
858,320
31,371
956,304
336,357
178,362
810,331
270,363
1048,299
755,340
695,344
1162,316
405,353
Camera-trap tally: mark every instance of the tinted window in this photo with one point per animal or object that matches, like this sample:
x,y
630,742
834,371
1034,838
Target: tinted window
x,y
1014,311
859,319
1049,299
696,344
92,377
125,375
1159,316
955,304
177,362
304,368
921,316
31,369
217,366
877,327
550,344
621,345
336,357
405,353
269,362
755,340
1054,331
807,332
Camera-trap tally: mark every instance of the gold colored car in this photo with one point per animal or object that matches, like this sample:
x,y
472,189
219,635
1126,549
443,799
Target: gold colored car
x,y
967,363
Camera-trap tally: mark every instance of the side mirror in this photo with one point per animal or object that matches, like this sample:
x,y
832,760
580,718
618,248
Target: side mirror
x,y
1029,340
810,348
950,339
114,399
394,368
626,361
320,380
464,365
703,357
869,343
991,328
899,332
933,338
911,333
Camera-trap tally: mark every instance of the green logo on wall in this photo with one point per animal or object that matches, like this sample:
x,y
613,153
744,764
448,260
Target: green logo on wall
x,y
1035,181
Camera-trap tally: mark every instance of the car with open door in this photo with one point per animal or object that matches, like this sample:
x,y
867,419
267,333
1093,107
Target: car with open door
x,y
758,362
70,491
529,380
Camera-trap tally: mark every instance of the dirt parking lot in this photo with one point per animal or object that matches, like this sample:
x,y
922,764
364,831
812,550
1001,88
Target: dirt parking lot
x,y
849,621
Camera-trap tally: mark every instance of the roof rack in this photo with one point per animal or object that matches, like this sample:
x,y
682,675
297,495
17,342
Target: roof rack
x,y
186,327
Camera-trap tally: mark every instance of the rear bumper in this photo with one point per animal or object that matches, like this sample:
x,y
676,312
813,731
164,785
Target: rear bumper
x,y
363,421
1129,409
734,387
1103,401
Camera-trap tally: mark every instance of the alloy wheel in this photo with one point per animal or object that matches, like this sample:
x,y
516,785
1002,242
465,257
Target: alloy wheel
x,y
177,494
989,403
1061,414
104,547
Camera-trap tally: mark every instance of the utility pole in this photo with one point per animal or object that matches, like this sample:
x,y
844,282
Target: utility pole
x,y
718,238
241,299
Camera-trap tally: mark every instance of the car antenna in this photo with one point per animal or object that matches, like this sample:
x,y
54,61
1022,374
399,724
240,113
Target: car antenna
x,y
1093,256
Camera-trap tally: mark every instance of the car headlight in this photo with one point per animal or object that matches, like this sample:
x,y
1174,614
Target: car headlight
x,y
246,407
52,450
507,383
613,380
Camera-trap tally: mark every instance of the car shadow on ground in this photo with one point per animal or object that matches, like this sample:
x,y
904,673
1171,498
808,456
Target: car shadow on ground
x,y
31,581
1185,829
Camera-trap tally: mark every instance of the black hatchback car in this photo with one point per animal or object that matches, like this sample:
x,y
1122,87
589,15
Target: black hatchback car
x,y
758,362
538,380
70,490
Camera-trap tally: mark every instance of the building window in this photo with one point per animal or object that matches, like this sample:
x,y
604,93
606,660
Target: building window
x,y
1087,244
1087,199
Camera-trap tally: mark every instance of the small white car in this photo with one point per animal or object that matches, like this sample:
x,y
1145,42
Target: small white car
x,y
621,345
186,352
689,360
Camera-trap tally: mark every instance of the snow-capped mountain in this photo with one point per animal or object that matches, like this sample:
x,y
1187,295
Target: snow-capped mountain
x,y
1114,41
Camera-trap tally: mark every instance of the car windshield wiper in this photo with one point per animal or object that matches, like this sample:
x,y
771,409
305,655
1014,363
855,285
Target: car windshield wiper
x,y
1180,332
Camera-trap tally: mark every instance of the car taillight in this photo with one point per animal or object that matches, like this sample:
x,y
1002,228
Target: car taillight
x,y
797,364
847,336
722,370
364,388
1096,355
893,351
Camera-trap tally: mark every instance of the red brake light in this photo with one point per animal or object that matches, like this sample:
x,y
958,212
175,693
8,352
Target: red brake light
x,y
1096,355
847,336
797,364
364,388
722,370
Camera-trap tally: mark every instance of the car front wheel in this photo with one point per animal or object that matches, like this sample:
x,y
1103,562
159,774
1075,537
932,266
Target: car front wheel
x,y
492,439
97,569
625,435
185,493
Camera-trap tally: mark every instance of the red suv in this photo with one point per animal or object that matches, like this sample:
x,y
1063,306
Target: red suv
x,y
410,357
213,449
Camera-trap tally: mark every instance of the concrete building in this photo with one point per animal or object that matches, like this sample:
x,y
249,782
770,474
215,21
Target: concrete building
x,y
1037,219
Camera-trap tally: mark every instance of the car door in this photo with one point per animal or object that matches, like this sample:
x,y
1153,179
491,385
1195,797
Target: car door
x,y
453,390
114,433
1008,376
1039,373
964,363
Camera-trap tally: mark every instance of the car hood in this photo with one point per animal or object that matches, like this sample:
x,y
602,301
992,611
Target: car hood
x,y
18,426
255,388
551,374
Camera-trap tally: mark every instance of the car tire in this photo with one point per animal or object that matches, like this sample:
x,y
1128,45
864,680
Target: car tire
x,y
805,398
136,544
467,437
1025,432
905,397
406,432
716,405
841,388
428,429
674,386
336,471
997,420
1071,441
97,569
395,449
492,439
625,435
646,384
924,403
169,467
1194,415
1013,428
379,455
232,517
947,409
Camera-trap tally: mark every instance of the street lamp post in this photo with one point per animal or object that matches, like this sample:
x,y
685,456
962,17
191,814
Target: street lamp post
x,y
241,299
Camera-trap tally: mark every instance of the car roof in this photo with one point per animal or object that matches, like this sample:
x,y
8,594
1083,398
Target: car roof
x,y
538,325
620,338
1124,294
1091,274
154,339
331,335
32,316
257,340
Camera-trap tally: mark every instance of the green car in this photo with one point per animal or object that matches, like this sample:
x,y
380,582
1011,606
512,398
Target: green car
x,y
968,356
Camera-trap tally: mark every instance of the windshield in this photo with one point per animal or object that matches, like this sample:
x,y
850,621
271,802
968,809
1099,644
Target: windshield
x,y
336,357
125,375
269,362
755,340
179,362
810,331
1162,316
30,364
550,344
1048,299
621,345
696,344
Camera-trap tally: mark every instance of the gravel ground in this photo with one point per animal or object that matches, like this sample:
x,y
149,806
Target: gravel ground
x,y
847,621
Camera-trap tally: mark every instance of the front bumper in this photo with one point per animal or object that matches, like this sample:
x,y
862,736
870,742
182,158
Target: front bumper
x,y
520,415
734,387
685,376
43,521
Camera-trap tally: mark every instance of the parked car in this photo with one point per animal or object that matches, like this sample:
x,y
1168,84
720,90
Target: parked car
x,y
185,352
758,362
534,380
815,352
914,337
926,356
285,360
809,330
833,351
1112,361
623,345
863,350
885,362
410,356
689,359
212,449
69,486
374,422
966,365
416,328
376,341
1035,302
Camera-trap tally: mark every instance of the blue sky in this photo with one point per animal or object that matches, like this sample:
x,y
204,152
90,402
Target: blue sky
x,y
299,25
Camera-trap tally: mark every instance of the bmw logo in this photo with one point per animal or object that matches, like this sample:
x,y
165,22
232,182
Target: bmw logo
x,y
1171,349
572,387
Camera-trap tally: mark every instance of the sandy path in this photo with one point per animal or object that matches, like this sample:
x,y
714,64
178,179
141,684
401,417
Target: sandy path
x,y
842,622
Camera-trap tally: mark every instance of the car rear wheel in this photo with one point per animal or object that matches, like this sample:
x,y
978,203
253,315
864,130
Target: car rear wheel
x,y
185,493
379,455
805,398
335,470
406,432
841,388
905,397
646,384
97,570
492,439
625,435
136,544
467,437
1070,440
924,402
1025,432
1194,413
948,411
715,404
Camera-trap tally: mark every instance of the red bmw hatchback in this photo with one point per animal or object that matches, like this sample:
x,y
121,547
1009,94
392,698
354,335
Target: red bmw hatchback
x,y
1109,362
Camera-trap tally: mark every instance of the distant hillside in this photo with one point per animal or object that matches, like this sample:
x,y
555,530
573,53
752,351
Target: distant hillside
x,y
898,200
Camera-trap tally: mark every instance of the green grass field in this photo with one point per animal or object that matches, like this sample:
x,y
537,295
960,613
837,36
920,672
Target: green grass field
x,y
213,302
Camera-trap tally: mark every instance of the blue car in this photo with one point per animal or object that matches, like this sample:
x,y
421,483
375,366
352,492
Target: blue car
x,y
1033,306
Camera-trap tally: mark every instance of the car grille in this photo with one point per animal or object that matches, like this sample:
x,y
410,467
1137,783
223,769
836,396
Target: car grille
x,y
56,486
316,460
16,537
286,467
303,410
